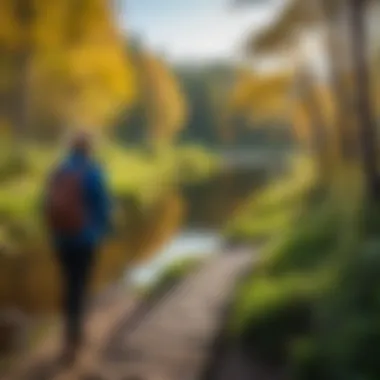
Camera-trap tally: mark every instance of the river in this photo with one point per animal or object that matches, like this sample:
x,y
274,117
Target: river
x,y
205,208
186,219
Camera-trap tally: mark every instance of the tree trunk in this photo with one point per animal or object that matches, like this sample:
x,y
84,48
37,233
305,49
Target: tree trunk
x,y
366,120
20,96
317,124
304,86
344,123
318,135
75,21
25,12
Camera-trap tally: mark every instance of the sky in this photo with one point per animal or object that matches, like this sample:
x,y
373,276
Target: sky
x,y
197,30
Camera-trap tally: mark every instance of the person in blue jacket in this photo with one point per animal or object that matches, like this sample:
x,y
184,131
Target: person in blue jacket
x,y
76,252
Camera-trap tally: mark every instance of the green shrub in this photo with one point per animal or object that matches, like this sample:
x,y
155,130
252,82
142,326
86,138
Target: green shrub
x,y
315,298
346,341
271,312
276,208
312,239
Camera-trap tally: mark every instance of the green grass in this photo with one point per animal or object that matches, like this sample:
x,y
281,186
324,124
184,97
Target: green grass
x,y
130,173
135,173
28,273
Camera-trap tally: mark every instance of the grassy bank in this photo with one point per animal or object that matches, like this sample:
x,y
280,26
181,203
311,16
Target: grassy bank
x,y
313,302
141,185
130,172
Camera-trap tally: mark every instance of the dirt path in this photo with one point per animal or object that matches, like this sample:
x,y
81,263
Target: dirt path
x,y
172,343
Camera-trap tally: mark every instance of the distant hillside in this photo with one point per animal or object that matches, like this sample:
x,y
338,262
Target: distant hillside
x,y
206,89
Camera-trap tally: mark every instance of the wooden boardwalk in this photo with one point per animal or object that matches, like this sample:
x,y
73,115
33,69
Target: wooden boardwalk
x,y
173,342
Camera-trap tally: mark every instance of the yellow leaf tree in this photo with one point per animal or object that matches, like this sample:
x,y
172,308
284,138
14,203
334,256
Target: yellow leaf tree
x,y
160,99
66,63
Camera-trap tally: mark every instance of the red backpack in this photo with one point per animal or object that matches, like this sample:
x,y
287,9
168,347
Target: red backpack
x,y
65,208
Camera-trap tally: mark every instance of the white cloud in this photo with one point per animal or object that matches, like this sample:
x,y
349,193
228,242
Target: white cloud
x,y
198,34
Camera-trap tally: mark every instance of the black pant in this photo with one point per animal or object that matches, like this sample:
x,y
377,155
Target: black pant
x,y
76,263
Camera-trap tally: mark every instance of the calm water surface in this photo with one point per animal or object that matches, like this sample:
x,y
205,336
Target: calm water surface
x,y
207,207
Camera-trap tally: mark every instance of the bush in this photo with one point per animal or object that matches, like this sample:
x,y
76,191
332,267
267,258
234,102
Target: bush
x,y
308,361
271,312
276,208
312,240
289,298
349,317
315,298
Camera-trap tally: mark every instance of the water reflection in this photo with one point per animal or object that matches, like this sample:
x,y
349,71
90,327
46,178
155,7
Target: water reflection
x,y
209,205
212,202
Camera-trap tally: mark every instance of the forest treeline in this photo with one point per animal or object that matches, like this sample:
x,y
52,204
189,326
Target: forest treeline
x,y
334,105
65,64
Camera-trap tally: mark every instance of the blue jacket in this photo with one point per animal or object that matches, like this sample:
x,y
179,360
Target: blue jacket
x,y
97,201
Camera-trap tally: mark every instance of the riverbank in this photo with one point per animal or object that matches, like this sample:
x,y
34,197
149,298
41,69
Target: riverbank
x,y
141,185
186,222
311,306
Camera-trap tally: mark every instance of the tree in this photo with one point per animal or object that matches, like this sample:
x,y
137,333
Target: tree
x,y
296,22
166,104
65,62
284,37
261,97
367,127
299,17
160,110
24,15
273,97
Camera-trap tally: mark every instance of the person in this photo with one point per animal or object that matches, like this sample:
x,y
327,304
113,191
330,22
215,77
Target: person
x,y
77,211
